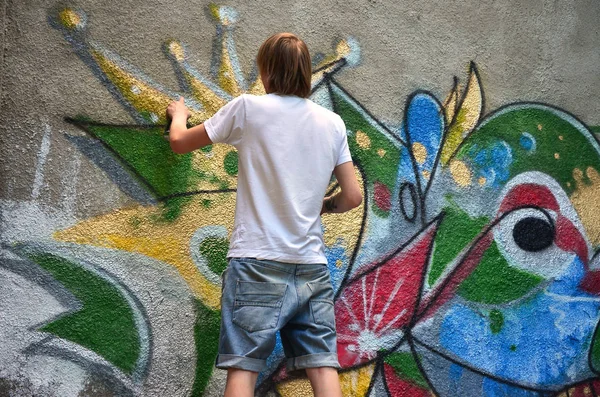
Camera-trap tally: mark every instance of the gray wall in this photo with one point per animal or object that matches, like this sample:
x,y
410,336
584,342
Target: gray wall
x,y
77,209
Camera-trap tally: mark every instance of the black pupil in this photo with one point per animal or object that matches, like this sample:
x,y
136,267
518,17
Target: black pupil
x,y
533,234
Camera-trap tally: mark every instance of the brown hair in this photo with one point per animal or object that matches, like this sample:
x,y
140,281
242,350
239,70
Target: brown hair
x,y
284,62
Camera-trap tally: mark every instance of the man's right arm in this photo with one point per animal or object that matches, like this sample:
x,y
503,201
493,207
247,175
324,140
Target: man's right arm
x,y
350,195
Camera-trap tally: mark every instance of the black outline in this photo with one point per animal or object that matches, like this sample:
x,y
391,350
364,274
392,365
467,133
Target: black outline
x,y
413,195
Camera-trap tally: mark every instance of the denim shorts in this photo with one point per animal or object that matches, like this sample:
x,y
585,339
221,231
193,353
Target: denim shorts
x,y
261,297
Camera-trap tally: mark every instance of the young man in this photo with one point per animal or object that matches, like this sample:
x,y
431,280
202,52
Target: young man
x,y
277,278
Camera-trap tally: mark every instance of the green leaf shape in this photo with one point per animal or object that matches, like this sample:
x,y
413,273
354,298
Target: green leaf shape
x,y
105,324
150,155
206,335
406,368
376,168
555,133
456,231
493,281
214,249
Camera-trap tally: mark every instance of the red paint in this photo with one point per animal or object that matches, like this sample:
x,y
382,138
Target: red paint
x,y
585,389
382,196
380,300
569,238
400,387
529,194
446,288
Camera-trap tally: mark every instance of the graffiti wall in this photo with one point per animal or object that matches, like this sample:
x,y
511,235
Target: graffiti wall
x,y
470,268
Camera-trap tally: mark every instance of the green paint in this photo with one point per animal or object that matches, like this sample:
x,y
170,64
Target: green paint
x,y
596,129
493,281
206,203
146,151
230,162
513,348
375,167
105,323
496,321
206,335
206,149
406,368
456,231
575,149
595,351
173,207
214,249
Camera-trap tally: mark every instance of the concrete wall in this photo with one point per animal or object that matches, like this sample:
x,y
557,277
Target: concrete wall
x,y
469,269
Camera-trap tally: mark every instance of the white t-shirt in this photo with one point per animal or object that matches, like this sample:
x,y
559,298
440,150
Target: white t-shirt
x,y
288,147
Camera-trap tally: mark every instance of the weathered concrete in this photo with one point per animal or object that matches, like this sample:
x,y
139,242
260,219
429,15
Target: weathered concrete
x,y
84,220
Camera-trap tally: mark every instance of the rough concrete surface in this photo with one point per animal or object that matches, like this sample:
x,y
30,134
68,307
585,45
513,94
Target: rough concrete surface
x,y
471,125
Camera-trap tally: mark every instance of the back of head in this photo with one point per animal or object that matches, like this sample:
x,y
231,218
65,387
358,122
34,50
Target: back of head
x,y
284,64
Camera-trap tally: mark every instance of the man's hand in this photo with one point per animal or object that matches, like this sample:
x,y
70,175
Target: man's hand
x,y
178,109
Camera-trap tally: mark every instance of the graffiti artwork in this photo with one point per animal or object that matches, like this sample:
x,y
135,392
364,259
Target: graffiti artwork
x,y
470,269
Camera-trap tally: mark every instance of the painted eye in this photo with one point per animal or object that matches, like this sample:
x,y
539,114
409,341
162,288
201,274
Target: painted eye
x,y
533,234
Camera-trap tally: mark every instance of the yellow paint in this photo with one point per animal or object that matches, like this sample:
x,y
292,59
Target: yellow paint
x,y
165,241
339,263
585,202
227,79
587,392
295,388
460,173
207,97
481,181
363,140
176,49
556,156
381,152
69,18
257,88
144,98
343,228
539,127
466,118
211,164
342,50
560,137
426,174
356,382
420,152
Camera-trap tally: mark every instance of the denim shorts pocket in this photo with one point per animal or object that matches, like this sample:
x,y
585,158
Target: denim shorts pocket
x,y
321,303
322,312
257,305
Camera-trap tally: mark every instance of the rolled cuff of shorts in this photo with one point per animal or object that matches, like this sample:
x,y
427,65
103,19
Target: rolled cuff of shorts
x,y
225,361
313,361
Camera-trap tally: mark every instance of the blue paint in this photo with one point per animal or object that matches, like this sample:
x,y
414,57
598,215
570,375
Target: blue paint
x,y
527,142
492,163
551,330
